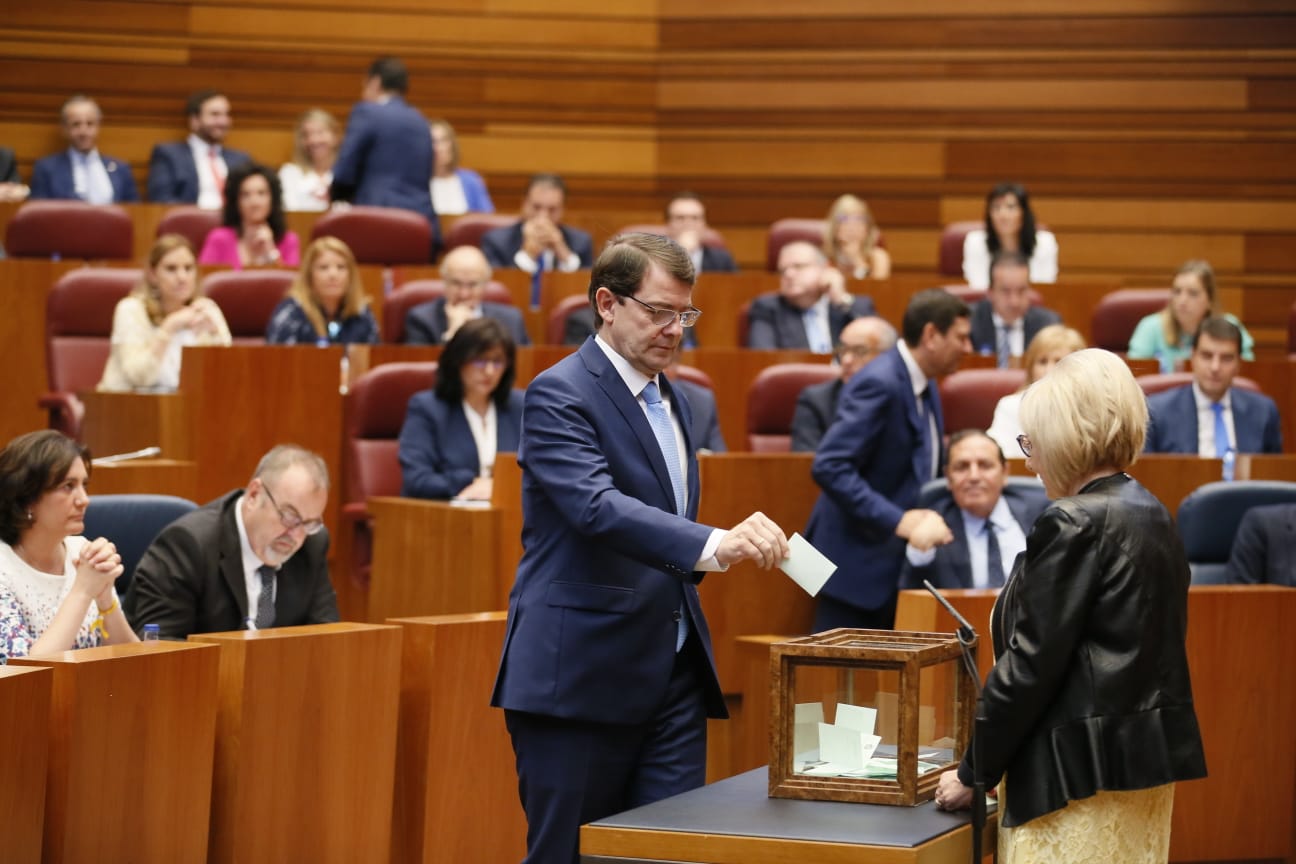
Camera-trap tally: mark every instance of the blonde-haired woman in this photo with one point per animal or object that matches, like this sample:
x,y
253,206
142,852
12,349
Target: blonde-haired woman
x,y
326,302
306,179
850,241
1045,351
1089,710
1167,336
163,313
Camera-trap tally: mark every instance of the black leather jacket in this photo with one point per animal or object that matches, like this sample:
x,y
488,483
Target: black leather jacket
x,y
1090,688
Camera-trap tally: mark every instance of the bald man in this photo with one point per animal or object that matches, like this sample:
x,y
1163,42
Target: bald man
x,y
861,340
465,272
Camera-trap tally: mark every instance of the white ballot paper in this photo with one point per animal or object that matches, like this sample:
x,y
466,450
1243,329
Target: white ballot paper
x,y
807,565
857,717
846,749
805,733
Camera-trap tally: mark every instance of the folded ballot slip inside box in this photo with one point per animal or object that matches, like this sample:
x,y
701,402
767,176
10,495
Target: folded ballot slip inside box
x,y
806,565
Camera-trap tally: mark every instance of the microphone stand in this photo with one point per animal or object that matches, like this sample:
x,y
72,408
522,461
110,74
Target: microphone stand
x,y
967,638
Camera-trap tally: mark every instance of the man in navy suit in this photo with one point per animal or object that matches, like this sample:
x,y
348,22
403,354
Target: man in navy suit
x,y
861,341
1210,416
465,273
686,224
193,171
811,306
81,172
1264,550
988,518
1005,322
883,446
386,155
607,675
539,240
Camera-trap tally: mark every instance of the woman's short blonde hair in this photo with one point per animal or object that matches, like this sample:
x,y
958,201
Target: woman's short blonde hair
x,y
1054,337
1087,414
354,301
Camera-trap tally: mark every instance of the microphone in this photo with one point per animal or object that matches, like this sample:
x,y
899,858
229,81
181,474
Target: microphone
x,y
145,453
966,634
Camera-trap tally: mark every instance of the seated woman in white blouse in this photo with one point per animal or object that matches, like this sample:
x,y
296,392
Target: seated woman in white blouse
x,y
56,587
160,316
1009,224
1049,346
306,179
455,190
453,431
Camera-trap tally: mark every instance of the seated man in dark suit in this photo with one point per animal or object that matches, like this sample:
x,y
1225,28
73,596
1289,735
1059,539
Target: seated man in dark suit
x,y
861,340
81,171
11,186
989,520
1210,416
686,224
811,306
705,428
465,273
1005,322
193,171
1264,550
251,559
539,240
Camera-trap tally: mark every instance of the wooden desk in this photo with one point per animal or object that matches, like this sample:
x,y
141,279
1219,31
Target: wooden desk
x,y
143,715
126,422
24,760
150,476
305,743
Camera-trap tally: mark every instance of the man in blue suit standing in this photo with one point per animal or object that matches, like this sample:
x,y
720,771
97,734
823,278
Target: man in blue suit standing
x,y
81,171
386,155
607,675
883,446
1210,416
193,171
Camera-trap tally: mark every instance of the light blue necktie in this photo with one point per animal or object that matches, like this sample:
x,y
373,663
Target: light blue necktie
x,y
1222,445
814,324
664,431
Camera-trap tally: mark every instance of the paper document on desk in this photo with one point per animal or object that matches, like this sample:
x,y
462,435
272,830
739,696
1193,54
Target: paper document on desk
x,y
807,565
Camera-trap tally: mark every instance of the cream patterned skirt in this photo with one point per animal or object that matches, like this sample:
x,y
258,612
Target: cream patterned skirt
x,y
1117,827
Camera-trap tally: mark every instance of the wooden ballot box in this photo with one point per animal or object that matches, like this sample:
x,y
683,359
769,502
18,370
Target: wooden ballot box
x,y
24,727
131,736
305,743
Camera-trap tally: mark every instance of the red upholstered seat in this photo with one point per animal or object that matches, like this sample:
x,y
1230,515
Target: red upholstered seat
x,y
419,291
78,329
951,246
375,412
468,229
70,229
693,375
379,235
969,396
786,231
247,299
1119,312
710,237
556,326
190,222
1158,383
771,401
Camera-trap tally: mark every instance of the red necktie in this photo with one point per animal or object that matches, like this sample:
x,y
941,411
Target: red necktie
x,y
214,158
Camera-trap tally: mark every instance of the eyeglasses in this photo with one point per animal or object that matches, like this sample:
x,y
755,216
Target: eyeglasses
x,y
860,351
665,317
291,519
1025,444
488,363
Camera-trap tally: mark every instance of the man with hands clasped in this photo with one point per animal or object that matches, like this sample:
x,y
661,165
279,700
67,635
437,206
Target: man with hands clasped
x,y
539,240
465,274
607,676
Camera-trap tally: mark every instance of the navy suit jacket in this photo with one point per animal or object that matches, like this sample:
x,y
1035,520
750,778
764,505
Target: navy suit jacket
x,y
986,341
592,617
1264,550
706,422
52,178
386,160
173,177
717,260
438,455
499,245
816,406
426,323
952,566
773,323
1172,422
868,466
8,166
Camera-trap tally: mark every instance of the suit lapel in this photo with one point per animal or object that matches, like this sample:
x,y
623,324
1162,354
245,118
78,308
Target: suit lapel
x,y
231,559
1246,427
459,434
960,553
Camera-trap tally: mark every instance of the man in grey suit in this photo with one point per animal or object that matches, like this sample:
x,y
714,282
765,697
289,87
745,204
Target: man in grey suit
x,y
861,340
1005,322
465,273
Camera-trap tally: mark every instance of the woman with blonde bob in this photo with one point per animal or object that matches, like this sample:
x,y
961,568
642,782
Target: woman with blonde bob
x,y
1089,708
1167,336
326,303
851,238
1045,351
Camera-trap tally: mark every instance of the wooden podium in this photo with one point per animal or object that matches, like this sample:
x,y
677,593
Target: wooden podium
x,y
305,743
24,726
131,736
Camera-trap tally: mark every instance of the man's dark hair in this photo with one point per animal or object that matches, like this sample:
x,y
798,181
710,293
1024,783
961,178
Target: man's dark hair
x,y
933,306
546,178
469,342
199,98
1007,258
391,74
1221,328
965,434
686,195
624,262
30,466
231,217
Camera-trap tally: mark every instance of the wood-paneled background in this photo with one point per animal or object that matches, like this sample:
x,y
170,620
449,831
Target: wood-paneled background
x,y
1148,131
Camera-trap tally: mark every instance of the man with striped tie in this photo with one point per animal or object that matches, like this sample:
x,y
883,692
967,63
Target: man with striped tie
x,y
1005,322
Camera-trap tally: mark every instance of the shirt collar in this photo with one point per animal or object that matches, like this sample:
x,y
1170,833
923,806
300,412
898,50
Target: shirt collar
x,y
1000,324
635,380
974,524
916,377
76,155
1204,402
198,144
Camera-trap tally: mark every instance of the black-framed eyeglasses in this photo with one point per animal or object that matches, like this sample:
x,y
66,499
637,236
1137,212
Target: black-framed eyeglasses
x,y
291,519
1024,443
665,317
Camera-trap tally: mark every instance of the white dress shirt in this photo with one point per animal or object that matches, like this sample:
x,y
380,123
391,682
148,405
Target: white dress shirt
x,y
90,177
211,187
251,567
920,382
1016,335
1206,421
1012,542
483,428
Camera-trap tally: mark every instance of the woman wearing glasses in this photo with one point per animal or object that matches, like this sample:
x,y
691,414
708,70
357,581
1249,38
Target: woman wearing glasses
x,y
1089,708
453,431
326,303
